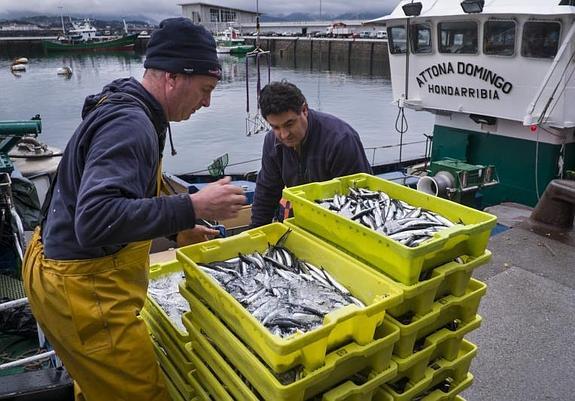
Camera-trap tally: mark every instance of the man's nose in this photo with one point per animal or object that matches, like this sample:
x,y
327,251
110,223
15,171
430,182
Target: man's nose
x,y
206,101
284,133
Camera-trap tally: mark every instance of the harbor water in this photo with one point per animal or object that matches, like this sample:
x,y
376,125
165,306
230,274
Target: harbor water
x,y
363,100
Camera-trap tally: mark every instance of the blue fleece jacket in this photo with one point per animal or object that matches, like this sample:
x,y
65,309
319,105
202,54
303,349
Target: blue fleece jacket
x,y
331,149
104,196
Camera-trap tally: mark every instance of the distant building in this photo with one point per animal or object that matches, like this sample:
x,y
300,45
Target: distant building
x,y
12,26
217,18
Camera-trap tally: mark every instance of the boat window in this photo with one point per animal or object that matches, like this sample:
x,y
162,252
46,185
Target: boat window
x,y
396,39
499,38
540,39
458,37
421,38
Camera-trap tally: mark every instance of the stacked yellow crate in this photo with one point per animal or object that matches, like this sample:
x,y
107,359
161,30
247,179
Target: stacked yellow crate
x,y
406,344
169,339
440,298
349,356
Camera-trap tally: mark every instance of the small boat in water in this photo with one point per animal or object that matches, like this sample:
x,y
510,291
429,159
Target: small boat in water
x,y
18,67
230,42
84,37
67,71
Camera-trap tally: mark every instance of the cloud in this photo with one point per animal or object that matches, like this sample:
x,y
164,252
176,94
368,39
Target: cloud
x,y
158,9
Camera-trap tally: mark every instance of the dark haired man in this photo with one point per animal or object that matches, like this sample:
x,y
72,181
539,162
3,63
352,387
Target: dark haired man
x,y
303,146
86,268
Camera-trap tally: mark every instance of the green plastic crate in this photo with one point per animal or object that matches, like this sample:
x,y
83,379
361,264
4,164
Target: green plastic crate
x,y
173,350
400,262
444,311
339,365
451,278
441,369
179,336
443,343
184,388
350,323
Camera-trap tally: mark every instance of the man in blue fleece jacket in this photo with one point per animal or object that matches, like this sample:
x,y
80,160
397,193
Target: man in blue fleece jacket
x,y
303,146
86,268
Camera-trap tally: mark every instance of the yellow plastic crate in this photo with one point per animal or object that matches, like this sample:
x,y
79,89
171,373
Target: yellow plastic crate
x,y
349,391
402,263
172,374
240,389
174,352
451,278
443,311
209,380
203,351
339,365
202,394
436,395
173,391
443,343
179,336
343,325
434,375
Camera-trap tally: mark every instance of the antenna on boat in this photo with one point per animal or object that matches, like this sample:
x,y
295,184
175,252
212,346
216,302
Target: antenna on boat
x,y
62,20
412,9
255,123
125,26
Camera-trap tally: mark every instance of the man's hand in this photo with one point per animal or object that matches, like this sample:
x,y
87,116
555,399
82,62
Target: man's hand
x,y
218,200
194,235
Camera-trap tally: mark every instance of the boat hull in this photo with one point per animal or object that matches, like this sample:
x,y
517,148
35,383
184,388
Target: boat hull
x,y
241,50
123,43
516,160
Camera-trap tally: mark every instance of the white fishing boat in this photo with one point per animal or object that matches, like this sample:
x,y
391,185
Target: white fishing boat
x,y
498,75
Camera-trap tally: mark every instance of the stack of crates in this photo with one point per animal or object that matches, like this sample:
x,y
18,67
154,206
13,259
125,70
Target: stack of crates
x,y
348,358
406,344
169,339
440,299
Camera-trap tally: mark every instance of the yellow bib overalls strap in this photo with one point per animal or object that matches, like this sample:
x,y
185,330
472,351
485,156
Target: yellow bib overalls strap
x,y
89,310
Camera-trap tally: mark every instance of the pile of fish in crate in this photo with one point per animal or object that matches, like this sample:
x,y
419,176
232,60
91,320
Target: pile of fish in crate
x,y
366,294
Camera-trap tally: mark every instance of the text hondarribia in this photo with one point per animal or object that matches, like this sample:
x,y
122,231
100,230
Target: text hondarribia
x,y
469,69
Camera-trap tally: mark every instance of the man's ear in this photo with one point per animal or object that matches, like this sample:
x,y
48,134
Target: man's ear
x,y
304,109
171,78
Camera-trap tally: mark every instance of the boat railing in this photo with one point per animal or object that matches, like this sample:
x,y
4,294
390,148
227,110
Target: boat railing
x,y
371,150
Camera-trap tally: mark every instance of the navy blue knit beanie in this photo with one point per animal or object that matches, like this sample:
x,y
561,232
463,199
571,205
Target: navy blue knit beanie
x,y
179,46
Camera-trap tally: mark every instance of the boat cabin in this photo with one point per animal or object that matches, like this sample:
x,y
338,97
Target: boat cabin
x,y
500,67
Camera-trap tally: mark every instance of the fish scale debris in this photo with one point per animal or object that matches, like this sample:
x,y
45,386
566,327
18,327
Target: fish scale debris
x,y
286,294
164,290
396,219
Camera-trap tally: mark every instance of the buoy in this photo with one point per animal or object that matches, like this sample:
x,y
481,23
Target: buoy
x,y
21,60
18,67
64,71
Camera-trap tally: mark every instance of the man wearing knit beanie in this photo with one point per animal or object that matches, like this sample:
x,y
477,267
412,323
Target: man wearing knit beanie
x,y
86,268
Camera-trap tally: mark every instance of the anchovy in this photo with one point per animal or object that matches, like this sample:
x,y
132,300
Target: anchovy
x,y
286,294
390,217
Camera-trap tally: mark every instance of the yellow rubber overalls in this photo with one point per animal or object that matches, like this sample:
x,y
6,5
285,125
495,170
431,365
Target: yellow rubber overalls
x,y
89,310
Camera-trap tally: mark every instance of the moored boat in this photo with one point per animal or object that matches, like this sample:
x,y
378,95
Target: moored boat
x,y
84,37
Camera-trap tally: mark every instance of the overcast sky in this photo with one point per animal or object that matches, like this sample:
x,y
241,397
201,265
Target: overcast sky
x,y
158,9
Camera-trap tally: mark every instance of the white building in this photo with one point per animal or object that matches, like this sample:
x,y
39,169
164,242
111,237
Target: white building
x,y
19,27
217,18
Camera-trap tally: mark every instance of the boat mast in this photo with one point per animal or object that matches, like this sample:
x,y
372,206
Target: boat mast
x,y
62,20
125,26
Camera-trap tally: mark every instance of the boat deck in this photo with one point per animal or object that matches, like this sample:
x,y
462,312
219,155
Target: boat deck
x,y
527,338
